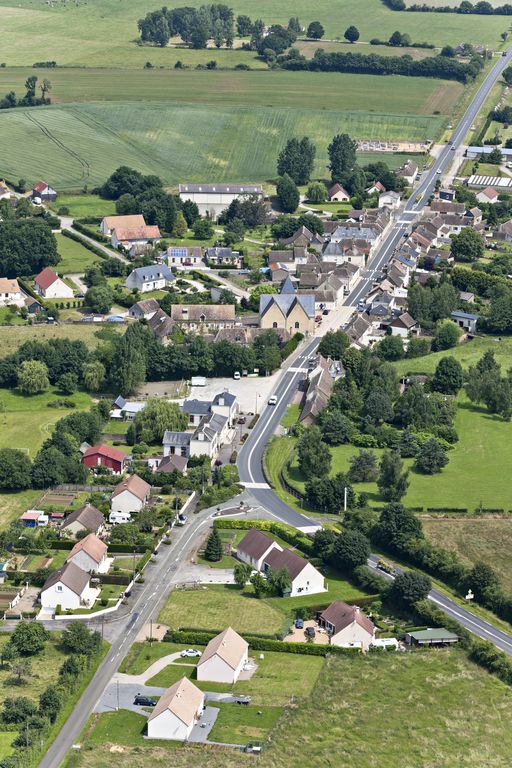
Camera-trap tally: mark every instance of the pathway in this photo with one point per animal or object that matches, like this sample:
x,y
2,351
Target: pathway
x,y
67,223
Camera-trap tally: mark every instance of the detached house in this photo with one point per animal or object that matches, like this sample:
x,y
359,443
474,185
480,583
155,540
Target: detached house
x,y
129,231
151,278
10,293
68,587
254,547
347,626
44,192
50,286
338,194
223,658
184,256
176,712
404,326
217,257
87,518
408,171
131,495
90,554
104,456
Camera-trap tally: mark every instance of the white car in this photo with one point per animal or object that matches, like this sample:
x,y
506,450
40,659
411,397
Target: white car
x,y
272,400
236,375
439,171
190,653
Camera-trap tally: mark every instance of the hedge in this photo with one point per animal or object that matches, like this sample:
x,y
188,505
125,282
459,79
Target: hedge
x,y
285,532
89,246
260,644
91,233
456,510
291,345
106,578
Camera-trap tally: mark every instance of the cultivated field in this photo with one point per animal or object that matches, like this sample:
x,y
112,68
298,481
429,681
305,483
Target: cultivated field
x,y
186,127
104,32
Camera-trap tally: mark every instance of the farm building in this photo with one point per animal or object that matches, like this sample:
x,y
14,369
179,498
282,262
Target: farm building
x,y
43,192
212,199
436,636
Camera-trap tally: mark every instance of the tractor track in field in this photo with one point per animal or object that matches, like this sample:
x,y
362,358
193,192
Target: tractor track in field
x,y
49,135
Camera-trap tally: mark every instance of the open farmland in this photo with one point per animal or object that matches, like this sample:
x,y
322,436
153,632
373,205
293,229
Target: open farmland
x,y
104,32
187,126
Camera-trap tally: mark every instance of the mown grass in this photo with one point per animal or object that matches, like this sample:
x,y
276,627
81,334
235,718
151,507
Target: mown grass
x,y
11,339
73,256
6,740
234,726
81,206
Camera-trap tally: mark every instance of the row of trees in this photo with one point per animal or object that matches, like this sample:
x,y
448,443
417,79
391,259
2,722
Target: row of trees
x,y
194,26
29,99
27,245
481,8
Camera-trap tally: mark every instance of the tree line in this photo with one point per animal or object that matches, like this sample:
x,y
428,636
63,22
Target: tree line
x,y
30,99
482,8
194,26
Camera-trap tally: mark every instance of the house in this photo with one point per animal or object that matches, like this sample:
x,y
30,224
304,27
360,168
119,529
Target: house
x,y
212,199
161,325
504,231
347,626
34,518
176,443
131,237
104,456
196,410
447,194
347,274
68,587
305,578
209,436
144,309
184,256
304,238
43,192
337,194
320,386
110,223
376,187
223,658
195,316
218,257
465,320
10,293
131,495
176,712
389,199
408,171
87,518
404,325
467,296
151,278
347,251
226,404
358,330
168,464
33,306
289,310
436,636
50,286
487,195
254,547
90,554
126,410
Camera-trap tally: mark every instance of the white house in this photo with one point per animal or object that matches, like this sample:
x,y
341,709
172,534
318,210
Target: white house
x,y
338,194
209,436
389,200
212,199
90,554
254,547
305,578
223,658
50,286
68,587
131,495
184,255
404,325
408,171
176,712
225,404
10,293
347,626
151,278
465,320
487,195
126,410
87,518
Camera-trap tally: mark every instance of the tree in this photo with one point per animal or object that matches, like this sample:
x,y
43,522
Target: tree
x,y
21,669
327,493
467,246
392,482
279,581
323,543
334,344
313,455
297,159
363,467
378,407
446,335
243,26
409,445
397,526
495,157
17,710
15,469
68,383
158,416
180,225
448,376
315,31
337,428
50,703
241,574
33,377
99,298
351,34
431,458
351,549
26,246
203,229
29,638
507,75
316,192
287,193
93,375
213,550
342,157
396,39
259,584
481,579
409,587
80,640
390,348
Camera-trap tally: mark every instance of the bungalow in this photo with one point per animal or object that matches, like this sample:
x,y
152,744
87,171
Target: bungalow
x,y
87,518
404,326
212,316
151,278
68,587
347,626
126,410
465,320
376,187
104,456
337,194
50,286
10,293
43,192
90,554
254,547
389,199
223,658
131,495
144,309
408,171
168,464
184,256
176,712
218,257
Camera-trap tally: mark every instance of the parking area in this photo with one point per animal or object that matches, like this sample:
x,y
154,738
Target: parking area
x,y
202,728
299,635
252,393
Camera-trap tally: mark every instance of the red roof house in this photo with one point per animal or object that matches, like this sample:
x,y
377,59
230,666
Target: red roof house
x,y
104,456
49,285
44,192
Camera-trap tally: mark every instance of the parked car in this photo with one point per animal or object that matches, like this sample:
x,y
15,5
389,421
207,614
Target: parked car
x,y
242,420
236,375
310,632
272,400
299,623
190,653
144,701
245,700
181,519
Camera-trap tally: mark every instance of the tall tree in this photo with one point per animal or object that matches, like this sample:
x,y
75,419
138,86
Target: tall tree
x,y
287,194
297,159
33,377
315,31
15,469
342,157
213,549
448,376
157,417
392,482
431,457
351,34
313,454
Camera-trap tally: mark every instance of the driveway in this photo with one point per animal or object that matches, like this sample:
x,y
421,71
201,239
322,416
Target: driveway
x,y
252,393
202,728
121,696
188,573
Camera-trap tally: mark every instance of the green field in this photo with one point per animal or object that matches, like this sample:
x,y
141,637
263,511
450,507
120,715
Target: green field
x,y
81,206
104,32
183,125
12,338
74,257
467,354
234,726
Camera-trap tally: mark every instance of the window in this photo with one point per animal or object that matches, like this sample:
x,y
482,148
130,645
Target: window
x,y
297,324
59,587
274,325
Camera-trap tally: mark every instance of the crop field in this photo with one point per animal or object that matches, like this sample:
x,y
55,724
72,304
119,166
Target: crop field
x,y
186,127
104,32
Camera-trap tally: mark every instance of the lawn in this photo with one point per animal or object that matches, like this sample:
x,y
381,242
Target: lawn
x,y
6,739
238,725
220,116
467,354
212,607
12,505
12,338
82,206
488,539
73,256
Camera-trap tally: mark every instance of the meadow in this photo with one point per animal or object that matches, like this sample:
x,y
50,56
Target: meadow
x,y
104,32
182,125
11,338
73,256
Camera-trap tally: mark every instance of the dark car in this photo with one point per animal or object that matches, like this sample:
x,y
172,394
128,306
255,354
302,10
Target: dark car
x,y
310,632
299,623
144,701
243,700
242,420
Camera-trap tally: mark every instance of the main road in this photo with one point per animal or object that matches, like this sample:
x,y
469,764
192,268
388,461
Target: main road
x,y
250,460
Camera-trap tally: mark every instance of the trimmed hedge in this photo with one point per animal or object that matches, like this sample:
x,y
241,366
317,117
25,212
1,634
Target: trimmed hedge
x,y
456,510
291,345
91,233
89,246
261,644
285,532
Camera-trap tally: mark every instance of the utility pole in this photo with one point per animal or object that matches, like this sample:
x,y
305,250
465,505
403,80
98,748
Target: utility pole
x,y
345,494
